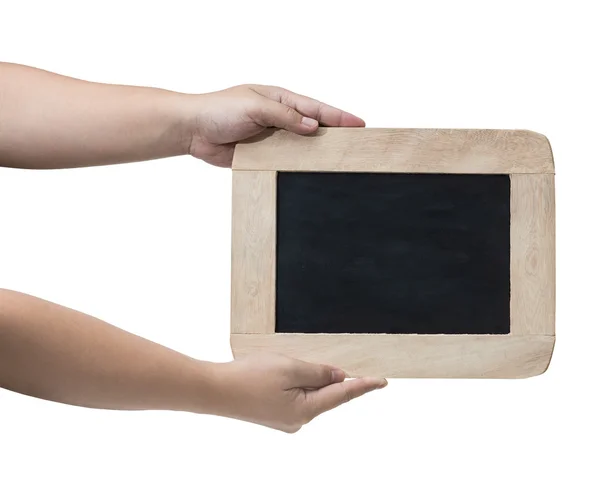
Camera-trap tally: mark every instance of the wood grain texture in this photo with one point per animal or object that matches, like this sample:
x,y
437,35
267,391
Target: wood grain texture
x,y
398,150
415,356
253,252
533,257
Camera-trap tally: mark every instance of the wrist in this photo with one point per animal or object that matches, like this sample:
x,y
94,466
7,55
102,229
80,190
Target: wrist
x,y
208,392
187,109
175,120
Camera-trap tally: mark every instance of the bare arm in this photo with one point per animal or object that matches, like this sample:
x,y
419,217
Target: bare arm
x,y
49,121
49,351
56,353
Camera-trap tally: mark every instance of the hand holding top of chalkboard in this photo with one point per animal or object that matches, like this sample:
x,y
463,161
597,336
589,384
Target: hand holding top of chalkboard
x,y
220,119
120,123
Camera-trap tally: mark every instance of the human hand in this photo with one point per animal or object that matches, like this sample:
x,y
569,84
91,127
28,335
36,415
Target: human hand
x,y
284,393
218,120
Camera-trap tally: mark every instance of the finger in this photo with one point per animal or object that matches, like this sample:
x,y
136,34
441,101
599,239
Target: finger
x,y
272,113
306,375
326,115
334,395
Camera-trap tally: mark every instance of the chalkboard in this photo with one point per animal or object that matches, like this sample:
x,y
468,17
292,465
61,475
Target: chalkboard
x,y
392,253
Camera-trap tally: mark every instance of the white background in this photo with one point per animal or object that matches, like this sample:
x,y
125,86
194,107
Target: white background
x,y
147,246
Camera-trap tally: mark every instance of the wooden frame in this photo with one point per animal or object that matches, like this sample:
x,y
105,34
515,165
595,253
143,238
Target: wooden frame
x,y
525,156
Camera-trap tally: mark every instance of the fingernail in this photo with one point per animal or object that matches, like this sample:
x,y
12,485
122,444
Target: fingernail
x,y
309,122
383,384
338,375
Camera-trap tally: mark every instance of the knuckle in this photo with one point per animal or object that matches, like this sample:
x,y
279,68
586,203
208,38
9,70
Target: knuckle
x,y
346,395
320,108
283,95
310,410
291,113
259,111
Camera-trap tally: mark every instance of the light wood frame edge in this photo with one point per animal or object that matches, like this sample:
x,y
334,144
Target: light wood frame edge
x,y
253,237
411,356
409,150
532,255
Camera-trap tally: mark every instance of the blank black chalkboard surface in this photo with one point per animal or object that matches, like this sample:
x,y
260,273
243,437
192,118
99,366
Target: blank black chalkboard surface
x,y
396,252
392,253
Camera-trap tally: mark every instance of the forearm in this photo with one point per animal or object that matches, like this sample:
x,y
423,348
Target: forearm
x,y
59,354
51,121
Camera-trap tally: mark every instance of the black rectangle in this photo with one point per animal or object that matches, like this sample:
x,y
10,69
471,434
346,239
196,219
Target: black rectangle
x,y
393,253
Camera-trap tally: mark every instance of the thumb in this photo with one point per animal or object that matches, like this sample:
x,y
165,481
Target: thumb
x,y
305,375
334,395
272,113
